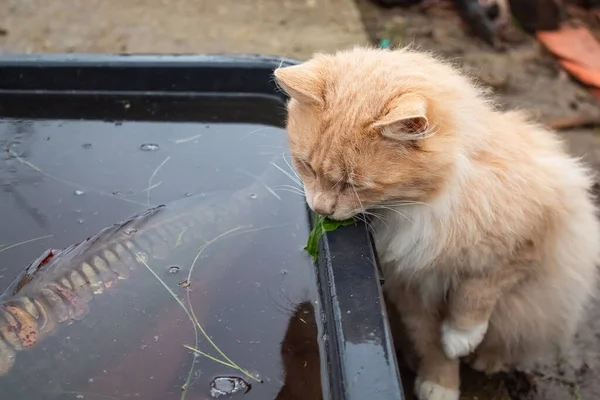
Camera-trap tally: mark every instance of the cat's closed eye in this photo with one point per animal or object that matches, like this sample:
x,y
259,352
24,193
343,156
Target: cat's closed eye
x,y
304,168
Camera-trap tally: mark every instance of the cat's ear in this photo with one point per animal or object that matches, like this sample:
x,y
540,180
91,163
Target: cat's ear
x,y
301,82
406,118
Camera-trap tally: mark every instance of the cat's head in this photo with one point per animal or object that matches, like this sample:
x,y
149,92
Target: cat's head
x,y
369,127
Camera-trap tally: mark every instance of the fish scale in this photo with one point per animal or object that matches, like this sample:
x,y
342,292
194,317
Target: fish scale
x,y
63,300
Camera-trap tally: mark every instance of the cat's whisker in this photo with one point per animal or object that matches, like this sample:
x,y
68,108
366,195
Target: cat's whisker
x,y
376,215
288,190
366,221
290,166
379,217
397,212
403,203
358,198
293,178
292,190
259,180
299,190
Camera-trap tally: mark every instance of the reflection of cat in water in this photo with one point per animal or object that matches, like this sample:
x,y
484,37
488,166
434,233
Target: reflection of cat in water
x,y
300,357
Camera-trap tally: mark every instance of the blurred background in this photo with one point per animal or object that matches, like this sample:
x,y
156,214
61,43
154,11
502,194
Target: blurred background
x,y
538,55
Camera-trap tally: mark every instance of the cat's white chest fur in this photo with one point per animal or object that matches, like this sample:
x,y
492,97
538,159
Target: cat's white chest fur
x,y
404,238
406,245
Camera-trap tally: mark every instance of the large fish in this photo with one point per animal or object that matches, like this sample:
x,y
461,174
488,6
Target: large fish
x,y
58,286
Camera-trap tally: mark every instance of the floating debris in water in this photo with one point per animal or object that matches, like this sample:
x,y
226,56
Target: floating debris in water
x,y
284,272
173,269
228,386
80,221
149,147
87,145
130,231
78,192
187,194
253,195
184,284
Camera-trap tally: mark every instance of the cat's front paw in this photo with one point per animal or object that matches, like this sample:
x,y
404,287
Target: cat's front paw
x,y
427,390
488,363
461,342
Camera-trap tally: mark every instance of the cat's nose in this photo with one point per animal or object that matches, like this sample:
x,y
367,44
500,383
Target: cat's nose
x,y
323,210
323,204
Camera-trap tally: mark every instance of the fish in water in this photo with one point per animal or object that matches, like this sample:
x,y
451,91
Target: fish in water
x,y
59,284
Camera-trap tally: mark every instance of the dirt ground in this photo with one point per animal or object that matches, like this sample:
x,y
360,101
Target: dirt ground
x,y
523,76
280,27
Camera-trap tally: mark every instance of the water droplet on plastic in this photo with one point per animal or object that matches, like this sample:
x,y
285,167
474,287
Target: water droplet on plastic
x,y
173,269
87,145
253,195
187,194
78,192
149,147
257,284
228,386
80,221
130,231
284,272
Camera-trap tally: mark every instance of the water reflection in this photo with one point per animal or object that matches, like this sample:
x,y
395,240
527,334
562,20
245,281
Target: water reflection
x,y
300,357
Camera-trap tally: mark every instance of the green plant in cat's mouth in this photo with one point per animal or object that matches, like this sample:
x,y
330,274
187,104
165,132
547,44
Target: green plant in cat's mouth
x,y
320,226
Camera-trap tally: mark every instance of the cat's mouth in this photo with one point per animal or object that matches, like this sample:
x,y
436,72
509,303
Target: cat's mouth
x,y
342,215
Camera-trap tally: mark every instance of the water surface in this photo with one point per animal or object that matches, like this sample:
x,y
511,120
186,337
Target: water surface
x,y
252,287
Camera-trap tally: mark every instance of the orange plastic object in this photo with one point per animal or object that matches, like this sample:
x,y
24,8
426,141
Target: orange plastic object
x,y
578,52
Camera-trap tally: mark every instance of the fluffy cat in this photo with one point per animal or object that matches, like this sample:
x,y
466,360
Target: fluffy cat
x,y
485,227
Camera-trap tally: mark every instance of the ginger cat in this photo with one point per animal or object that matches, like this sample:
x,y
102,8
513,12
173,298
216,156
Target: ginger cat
x,y
485,227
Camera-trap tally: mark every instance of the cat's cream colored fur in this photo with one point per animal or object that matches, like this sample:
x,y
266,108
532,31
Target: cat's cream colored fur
x,y
485,227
